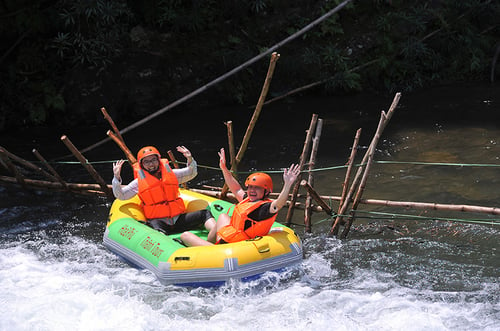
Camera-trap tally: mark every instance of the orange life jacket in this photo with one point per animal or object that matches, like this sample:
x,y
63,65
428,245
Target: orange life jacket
x,y
160,197
235,231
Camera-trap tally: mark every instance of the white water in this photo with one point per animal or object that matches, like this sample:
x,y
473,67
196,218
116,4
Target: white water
x,y
69,282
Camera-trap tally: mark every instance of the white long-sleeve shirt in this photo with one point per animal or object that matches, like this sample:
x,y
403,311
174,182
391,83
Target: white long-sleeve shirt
x,y
128,191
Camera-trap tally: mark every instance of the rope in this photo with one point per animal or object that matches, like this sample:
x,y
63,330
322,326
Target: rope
x,y
418,217
485,165
406,217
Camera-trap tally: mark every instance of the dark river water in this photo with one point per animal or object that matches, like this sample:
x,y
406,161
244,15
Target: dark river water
x,y
399,268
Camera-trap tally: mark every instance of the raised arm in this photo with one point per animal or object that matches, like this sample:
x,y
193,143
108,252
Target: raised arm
x,y
189,172
289,177
186,152
231,182
125,192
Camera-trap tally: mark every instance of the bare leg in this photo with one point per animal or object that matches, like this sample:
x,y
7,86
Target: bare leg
x,y
210,224
190,239
222,221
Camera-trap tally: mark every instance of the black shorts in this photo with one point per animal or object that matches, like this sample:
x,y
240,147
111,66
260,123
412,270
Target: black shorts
x,y
189,221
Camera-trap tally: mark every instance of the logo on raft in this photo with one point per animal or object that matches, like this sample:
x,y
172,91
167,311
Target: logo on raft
x,y
127,232
152,246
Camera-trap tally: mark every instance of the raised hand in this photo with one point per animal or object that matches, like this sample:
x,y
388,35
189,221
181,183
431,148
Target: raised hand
x,y
117,168
291,174
185,152
222,159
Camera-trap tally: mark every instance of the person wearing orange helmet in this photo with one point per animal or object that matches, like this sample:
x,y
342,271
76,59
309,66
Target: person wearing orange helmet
x,y
157,186
254,214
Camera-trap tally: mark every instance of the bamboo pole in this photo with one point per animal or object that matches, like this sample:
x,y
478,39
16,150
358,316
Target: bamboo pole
x,y
265,88
246,138
50,168
74,188
232,152
87,166
112,123
347,179
230,73
12,168
176,164
311,192
362,185
359,173
305,151
230,140
131,159
310,177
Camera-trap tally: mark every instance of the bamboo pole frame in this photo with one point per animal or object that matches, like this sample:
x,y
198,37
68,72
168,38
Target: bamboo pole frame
x,y
382,124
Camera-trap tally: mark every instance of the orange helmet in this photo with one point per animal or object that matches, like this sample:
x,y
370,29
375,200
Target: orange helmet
x,y
260,179
147,151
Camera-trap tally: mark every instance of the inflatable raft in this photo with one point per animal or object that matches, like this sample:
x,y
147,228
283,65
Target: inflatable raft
x,y
174,263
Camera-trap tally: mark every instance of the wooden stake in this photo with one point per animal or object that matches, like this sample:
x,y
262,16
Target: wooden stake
x,y
130,157
347,179
112,123
232,153
28,165
311,192
12,168
90,189
235,163
310,179
274,58
87,166
305,151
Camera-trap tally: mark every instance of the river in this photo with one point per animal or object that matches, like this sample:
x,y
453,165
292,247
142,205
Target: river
x,y
399,269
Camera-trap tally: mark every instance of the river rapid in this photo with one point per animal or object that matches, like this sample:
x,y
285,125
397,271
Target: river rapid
x,y
399,269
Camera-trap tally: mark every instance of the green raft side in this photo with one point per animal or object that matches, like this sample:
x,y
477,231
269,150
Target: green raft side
x,y
152,245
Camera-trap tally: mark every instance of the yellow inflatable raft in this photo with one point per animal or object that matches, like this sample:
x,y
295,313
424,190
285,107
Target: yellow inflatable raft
x,y
141,246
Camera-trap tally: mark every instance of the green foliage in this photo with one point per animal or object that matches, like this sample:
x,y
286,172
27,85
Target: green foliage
x,y
408,44
426,42
91,31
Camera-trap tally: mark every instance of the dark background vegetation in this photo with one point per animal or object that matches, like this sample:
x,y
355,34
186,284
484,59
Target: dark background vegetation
x,y
61,60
